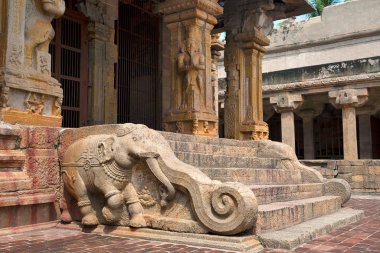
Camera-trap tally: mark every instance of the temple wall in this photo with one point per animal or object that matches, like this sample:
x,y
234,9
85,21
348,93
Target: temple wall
x,y
29,175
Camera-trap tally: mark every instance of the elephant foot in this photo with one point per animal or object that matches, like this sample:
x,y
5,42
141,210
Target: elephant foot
x,y
90,220
111,215
137,221
66,217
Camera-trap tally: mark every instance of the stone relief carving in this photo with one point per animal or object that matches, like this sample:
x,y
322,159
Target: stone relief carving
x,y
191,62
135,173
39,31
179,126
58,106
34,103
15,55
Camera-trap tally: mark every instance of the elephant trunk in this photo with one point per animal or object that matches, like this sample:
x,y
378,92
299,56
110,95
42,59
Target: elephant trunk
x,y
151,160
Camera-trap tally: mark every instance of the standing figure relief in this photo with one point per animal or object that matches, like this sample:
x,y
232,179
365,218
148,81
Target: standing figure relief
x,y
38,29
191,62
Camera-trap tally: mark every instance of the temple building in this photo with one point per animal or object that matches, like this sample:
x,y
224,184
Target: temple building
x,y
73,72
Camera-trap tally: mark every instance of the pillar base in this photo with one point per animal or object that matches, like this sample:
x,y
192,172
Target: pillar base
x,y
201,124
257,131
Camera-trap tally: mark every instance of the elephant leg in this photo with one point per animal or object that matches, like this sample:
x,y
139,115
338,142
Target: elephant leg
x,y
75,186
112,211
135,209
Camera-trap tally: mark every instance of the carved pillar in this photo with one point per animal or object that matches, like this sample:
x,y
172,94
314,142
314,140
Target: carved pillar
x,y
192,99
28,93
247,26
101,59
348,100
308,133
286,104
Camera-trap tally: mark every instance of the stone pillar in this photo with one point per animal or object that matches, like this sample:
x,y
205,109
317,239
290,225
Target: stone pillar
x,y
286,104
365,136
348,100
28,93
102,57
247,26
308,133
192,99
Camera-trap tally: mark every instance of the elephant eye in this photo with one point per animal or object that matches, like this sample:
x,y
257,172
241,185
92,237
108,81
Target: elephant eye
x,y
134,138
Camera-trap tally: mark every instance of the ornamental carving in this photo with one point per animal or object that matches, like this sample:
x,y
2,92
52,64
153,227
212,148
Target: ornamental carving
x,y
128,174
34,103
39,31
191,62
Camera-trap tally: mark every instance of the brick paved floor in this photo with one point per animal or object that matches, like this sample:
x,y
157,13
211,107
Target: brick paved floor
x,y
363,236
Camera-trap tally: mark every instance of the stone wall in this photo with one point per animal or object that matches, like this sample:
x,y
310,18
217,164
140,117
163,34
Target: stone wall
x,y
362,175
29,175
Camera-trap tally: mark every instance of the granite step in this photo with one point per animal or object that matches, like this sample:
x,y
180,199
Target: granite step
x,y
226,161
280,215
254,176
212,149
266,194
292,237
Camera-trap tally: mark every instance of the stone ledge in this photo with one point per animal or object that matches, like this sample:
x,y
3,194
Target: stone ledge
x,y
292,237
27,198
246,243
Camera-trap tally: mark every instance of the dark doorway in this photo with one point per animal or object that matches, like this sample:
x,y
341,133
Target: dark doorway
x,y
375,126
69,52
139,87
328,134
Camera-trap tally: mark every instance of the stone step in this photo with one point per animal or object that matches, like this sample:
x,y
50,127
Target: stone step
x,y
266,194
226,161
304,232
212,149
279,215
253,176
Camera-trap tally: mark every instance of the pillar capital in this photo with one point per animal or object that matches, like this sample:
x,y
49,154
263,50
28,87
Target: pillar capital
x,y
286,102
348,97
181,10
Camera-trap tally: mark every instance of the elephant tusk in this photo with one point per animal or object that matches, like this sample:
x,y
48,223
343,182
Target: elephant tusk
x,y
156,170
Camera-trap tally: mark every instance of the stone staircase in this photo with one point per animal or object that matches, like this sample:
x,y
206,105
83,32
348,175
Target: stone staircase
x,y
292,210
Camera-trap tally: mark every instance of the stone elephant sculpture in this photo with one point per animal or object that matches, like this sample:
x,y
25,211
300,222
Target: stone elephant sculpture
x,y
103,163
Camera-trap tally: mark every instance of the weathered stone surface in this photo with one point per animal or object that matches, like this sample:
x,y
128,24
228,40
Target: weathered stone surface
x,y
28,94
338,187
160,185
292,237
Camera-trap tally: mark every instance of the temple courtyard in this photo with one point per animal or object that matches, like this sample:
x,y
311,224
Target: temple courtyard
x,y
362,236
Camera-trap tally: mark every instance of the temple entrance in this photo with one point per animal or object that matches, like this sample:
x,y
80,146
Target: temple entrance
x,y
139,87
69,53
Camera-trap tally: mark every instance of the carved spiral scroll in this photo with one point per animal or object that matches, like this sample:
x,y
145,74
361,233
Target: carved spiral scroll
x,y
224,208
232,209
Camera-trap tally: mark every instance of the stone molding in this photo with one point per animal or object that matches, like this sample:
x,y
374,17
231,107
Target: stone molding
x,y
210,7
322,83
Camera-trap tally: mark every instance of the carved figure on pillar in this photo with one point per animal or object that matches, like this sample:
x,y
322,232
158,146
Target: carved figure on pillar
x,y
27,64
39,31
191,62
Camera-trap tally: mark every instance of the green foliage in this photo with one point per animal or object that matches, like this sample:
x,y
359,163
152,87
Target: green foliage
x,y
319,5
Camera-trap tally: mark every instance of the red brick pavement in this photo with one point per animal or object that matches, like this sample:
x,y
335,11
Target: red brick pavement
x,y
362,236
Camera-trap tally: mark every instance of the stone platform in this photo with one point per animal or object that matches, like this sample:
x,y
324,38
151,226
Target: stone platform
x,y
361,236
294,206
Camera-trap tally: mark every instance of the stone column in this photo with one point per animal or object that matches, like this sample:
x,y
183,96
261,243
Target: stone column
x,y
247,25
28,93
308,133
348,100
286,104
192,99
102,57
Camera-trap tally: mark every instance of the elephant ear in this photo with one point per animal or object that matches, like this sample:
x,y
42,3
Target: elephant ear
x,y
105,150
